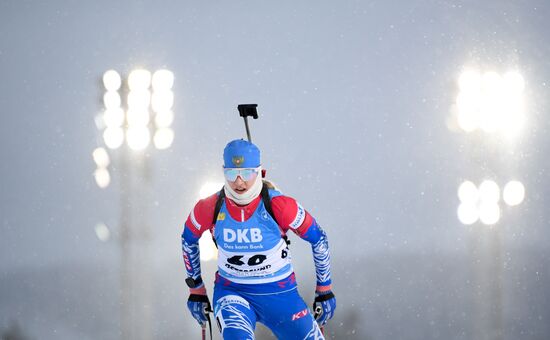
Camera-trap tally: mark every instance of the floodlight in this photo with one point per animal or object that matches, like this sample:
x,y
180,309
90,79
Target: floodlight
x,y
162,100
113,137
512,124
113,117
467,121
513,114
164,118
102,177
468,103
489,192
467,213
513,82
139,79
470,81
489,118
101,157
139,99
491,83
137,117
138,137
112,80
491,102
163,80
468,193
163,138
102,232
489,213
513,193
111,100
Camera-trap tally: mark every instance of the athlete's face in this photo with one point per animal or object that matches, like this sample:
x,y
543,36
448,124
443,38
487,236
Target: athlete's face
x,y
241,179
241,186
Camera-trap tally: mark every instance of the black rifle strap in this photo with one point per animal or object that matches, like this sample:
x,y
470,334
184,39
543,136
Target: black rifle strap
x,y
267,204
219,202
217,208
267,201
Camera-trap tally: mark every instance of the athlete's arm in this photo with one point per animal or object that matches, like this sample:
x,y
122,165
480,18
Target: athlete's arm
x,y
198,221
291,215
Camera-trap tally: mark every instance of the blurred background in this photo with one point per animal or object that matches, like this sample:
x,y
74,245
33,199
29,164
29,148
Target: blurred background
x,y
416,132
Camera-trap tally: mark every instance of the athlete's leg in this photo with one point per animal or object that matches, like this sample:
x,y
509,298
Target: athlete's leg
x,y
287,315
234,315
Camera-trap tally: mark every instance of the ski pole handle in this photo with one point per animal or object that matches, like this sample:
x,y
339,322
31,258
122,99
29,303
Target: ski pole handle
x,y
319,311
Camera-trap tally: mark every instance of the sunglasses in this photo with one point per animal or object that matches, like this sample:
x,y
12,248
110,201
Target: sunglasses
x,y
246,174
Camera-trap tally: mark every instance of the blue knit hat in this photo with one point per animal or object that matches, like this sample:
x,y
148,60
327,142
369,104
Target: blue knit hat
x,y
240,153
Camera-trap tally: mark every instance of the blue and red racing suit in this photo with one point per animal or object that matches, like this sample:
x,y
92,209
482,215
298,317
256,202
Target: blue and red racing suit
x,y
255,280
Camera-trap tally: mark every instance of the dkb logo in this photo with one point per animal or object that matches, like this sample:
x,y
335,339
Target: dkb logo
x,y
242,235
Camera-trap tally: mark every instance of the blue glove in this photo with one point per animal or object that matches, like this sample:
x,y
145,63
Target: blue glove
x,y
324,306
199,306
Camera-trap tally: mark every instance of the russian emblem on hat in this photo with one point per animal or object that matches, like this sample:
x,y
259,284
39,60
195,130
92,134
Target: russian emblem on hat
x,y
237,161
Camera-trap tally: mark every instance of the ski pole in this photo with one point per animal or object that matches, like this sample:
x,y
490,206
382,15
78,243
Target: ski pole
x,y
207,311
319,311
245,111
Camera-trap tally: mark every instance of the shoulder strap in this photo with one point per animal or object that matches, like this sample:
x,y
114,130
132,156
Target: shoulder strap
x,y
267,203
219,202
217,208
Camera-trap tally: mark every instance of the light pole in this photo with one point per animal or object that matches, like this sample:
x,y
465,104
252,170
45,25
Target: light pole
x,y
489,106
138,114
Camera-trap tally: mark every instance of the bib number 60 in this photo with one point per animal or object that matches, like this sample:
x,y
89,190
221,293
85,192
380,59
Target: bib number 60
x,y
253,260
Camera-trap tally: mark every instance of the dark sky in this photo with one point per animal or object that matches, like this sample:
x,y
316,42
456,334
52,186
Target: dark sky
x,y
354,99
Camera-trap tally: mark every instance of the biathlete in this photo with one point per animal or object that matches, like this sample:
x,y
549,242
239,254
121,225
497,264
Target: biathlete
x,y
255,281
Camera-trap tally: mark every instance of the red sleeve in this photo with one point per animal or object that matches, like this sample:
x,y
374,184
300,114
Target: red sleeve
x,y
200,218
291,215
